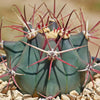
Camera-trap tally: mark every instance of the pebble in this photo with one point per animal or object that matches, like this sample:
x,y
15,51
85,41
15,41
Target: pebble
x,y
30,98
17,95
97,82
71,97
79,97
1,81
64,97
57,98
86,91
96,97
42,99
74,93
98,90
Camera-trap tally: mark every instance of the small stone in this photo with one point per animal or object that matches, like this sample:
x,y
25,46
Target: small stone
x,y
25,96
30,98
64,97
74,93
3,87
42,99
79,97
1,81
89,85
13,87
9,96
57,98
97,90
19,98
2,95
96,76
86,91
97,82
36,98
17,95
83,98
89,97
4,90
4,83
96,97
10,87
71,97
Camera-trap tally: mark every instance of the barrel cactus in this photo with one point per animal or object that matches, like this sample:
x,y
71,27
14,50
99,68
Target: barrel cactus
x,y
51,58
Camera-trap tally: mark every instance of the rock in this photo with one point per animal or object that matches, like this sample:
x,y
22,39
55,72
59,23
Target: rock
x,y
30,98
96,76
96,97
3,84
42,99
2,95
64,97
71,97
79,97
98,90
89,97
10,87
97,82
3,88
13,87
74,93
19,98
57,98
83,98
25,96
87,91
9,96
17,95
1,81
89,85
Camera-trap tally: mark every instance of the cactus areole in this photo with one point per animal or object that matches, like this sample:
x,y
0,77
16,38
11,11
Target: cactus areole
x,y
50,60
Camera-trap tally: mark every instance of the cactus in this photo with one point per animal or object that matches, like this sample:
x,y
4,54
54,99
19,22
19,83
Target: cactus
x,y
50,60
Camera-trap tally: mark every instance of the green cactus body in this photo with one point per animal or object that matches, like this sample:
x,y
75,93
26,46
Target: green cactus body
x,y
79,40
57,82
72,57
